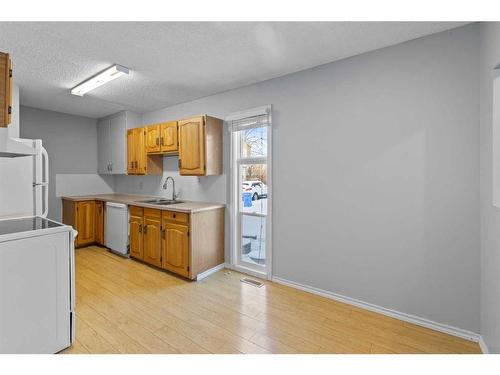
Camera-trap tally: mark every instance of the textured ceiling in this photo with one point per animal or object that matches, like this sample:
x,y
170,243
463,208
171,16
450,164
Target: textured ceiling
x,y
172,62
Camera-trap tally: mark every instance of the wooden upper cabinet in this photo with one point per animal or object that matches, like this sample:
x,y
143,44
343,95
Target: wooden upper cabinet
x,y
153,139
131,160
99,222
169,140
85,222
135,232
192,146
200,146
5,89
152,237
175,238
138,160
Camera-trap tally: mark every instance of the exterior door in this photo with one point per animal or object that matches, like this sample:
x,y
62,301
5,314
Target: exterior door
x,y
169,140
131,161
99,223
176,248
192,147
135,240
153,139
85,222
152,237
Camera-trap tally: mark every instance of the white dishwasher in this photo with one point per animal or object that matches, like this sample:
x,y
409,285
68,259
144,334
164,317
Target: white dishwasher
x,y
116,236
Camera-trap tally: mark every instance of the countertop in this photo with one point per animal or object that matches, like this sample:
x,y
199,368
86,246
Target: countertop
x,y
131,200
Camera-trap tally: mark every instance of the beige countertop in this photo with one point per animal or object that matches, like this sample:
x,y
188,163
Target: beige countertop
x,y
131,200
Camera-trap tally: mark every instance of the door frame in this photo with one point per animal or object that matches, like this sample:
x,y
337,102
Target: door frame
x,y
234,196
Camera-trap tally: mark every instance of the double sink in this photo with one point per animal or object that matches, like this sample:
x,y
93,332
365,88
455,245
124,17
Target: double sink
x,y
160,202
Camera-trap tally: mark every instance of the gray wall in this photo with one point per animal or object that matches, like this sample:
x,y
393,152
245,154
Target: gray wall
x,y
71,143
490,215
376,186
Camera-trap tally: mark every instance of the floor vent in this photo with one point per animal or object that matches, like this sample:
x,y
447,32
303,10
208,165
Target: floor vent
x,y
252,282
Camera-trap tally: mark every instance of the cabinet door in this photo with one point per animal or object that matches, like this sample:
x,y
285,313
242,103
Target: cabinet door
x,y
5,89
135,239
153,139
131,162
99,222
85,222
175,240
140,150
169,140
103,152
118,144
192,147
152,237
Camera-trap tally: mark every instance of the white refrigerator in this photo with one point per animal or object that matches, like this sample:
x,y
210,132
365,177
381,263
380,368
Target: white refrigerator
x,y
37,293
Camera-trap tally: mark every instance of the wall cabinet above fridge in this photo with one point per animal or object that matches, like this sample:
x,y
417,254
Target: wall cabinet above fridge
x,y
112,142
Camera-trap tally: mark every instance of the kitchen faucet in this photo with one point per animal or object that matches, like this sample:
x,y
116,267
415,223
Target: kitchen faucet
x,y
174,195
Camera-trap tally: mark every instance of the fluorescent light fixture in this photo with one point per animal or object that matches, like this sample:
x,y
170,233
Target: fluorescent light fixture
x,y
99,79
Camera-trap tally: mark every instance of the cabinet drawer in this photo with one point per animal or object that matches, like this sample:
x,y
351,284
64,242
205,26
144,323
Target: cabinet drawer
x,y
180,217
136,211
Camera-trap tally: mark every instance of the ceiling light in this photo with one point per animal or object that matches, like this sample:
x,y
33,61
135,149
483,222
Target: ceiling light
x,y
99,79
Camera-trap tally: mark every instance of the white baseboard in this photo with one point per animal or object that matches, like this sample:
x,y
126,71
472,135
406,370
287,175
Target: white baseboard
x,y
209,271
483,346
458,332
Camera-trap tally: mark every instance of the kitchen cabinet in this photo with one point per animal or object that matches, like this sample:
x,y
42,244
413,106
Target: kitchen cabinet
x,y
162,138
200,146
152,237
5,89
182,243
111,143
153,138
169,140
99,222
81,216
135,232
175,242
138,161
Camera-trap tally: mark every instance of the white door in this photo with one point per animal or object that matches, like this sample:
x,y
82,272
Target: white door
x,y
35,294
103,149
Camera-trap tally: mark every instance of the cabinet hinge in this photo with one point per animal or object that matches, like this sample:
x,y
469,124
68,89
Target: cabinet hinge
x,y
10,73
9,110
188,268
188,233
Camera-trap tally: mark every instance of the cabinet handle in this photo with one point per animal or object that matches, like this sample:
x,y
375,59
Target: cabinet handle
x,y
162,141
145,229
180,163
163,234
140,228
174,216
157,141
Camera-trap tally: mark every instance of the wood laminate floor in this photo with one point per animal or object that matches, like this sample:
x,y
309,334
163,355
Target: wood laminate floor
x,y
124,306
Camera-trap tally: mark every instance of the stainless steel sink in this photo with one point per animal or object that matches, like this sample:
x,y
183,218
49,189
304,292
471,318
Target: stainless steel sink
x,y
167,203
161,202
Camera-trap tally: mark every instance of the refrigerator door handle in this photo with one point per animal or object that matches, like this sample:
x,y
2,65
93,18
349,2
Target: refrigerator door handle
x,y
45,183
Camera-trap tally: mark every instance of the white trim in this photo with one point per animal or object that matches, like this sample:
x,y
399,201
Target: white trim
x,y
483,346
233,205
454,331
210,271
248,271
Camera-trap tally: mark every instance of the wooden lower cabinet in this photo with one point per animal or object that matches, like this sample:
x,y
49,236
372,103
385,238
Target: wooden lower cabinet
x,y
182,243
81,216
135,232
175,241
99,223
152,237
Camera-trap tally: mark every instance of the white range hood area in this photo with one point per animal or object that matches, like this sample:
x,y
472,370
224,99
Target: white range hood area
x,y
15,147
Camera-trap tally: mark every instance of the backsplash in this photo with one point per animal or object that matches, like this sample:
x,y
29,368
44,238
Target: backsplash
x,y
208,189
